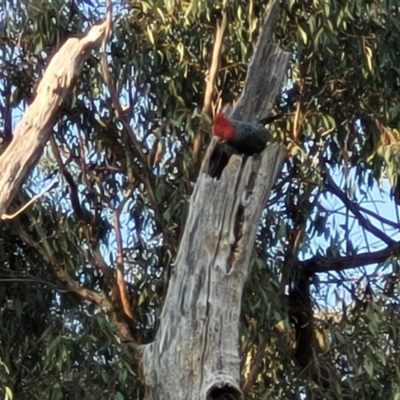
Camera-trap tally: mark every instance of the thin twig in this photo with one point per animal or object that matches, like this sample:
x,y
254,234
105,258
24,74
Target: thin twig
x,y
32,200
211,82
120,281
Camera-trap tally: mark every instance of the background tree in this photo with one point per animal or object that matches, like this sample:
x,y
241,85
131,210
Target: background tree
x,y
320,309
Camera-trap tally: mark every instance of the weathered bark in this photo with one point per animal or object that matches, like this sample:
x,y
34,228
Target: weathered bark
x,y
195,353
32,132
196,348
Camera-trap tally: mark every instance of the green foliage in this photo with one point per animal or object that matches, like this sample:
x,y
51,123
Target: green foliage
x,y
338,113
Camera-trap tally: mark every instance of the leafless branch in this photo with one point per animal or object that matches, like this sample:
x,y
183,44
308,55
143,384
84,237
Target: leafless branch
x,y
381,219
34,129
323,264
354,208
120,281
215,63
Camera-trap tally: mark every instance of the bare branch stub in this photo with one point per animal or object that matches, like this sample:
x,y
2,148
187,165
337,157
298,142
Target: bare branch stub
x,y
264,75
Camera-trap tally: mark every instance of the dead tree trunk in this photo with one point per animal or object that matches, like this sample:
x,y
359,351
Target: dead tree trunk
x,y
195,353
33,131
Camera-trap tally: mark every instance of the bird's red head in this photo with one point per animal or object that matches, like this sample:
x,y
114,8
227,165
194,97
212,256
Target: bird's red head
x,y
222,127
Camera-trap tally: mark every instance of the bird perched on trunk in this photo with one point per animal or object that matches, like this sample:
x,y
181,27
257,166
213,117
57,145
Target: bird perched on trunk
x,y
245,137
